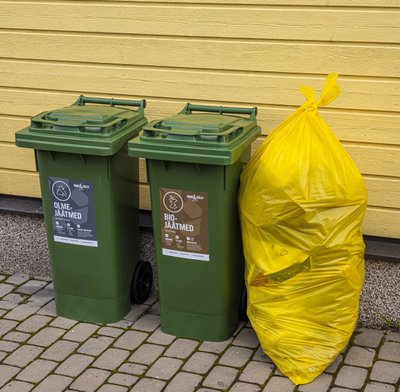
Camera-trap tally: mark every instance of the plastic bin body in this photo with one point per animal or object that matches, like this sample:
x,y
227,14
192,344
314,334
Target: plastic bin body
x,y
92,271
199,289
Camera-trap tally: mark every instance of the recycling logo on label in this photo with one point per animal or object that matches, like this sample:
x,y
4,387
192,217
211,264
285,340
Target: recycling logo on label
x,y
173,202
61,191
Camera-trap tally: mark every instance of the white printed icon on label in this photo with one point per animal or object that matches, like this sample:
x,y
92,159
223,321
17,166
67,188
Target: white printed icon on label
x,y
173,202
61,191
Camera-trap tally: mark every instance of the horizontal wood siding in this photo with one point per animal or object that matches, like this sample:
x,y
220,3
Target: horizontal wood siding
x,y
230,52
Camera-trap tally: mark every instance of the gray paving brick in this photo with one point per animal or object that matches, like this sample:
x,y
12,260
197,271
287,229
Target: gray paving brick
x,y
47,336
3,277
215,347
90,380
49,309
7,305
23,355
164,368
220,377
111,359
33,323
368,337
36,371
155,309
74,365
159,337
133,368
378,387
122,379
183,382
95,345
147,354
335,364
112,388
21,312
42,297
279,384
5,289
200,362
60,350
261,356
8,346
360,356
386,372
7,373
17,336
15,298
320,384
393,337
53,383
17,279
147,385
6,325
62,322
181,348
17,386
246,338
31,286
206,390
80,332
337,389
147,323
351,377
256,372
244,387
390,351
121,324
110,331
130,340
235,356
2,356
2,311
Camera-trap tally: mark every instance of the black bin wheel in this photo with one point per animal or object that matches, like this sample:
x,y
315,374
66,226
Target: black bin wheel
x,y
243,305
142,282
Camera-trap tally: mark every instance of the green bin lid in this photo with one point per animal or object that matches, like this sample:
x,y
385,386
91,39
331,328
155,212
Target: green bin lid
x,y
216,137
85,129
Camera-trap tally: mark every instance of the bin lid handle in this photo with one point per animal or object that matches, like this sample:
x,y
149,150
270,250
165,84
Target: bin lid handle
x,y
189,108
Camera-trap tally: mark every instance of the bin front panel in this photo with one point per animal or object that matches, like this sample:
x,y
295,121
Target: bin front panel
x,y
92,275
200,279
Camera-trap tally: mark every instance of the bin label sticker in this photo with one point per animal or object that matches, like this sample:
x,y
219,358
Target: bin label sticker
x,y
72,211
184,224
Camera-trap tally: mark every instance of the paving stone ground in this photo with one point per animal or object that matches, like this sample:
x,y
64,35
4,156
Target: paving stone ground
x,y
40,351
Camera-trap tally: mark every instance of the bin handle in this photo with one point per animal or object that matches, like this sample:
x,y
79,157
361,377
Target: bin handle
x,y
189,108
82,100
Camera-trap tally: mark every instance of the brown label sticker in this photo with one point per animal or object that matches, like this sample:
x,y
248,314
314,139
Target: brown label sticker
x,y
184,224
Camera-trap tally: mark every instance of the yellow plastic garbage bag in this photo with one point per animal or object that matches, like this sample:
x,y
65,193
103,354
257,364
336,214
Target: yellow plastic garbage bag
x,y
301,203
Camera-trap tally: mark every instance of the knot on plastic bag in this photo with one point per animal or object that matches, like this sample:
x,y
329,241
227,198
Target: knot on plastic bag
x,y
328,94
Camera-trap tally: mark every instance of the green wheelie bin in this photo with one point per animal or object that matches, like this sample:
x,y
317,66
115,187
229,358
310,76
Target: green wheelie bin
x,y
194,161
90,194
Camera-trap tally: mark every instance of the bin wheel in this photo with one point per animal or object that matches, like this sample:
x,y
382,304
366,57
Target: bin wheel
x,y
243,305
141,282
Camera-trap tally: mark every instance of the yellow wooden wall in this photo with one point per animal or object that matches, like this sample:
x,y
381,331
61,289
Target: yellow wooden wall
x,y
230,52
